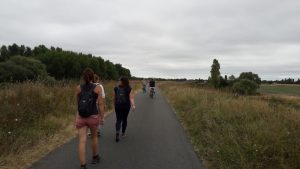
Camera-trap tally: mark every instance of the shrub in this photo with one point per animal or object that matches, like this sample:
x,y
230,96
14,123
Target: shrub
x,y
245,86
250,76
20,68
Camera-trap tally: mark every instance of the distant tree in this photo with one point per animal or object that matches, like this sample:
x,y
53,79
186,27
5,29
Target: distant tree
x,y
40,49
20,68
245,86
4,54
22,50
111,70
231,78
61,64
58,49
14,50
223,81
28,51
215,74
250,76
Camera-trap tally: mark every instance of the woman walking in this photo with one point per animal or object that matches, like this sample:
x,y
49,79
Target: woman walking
x,y
88,96
123,100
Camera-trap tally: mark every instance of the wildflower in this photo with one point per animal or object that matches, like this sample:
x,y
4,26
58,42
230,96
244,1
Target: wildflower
x,y
9,132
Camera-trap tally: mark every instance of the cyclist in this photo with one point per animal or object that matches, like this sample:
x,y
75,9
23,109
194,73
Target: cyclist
x,y
152,87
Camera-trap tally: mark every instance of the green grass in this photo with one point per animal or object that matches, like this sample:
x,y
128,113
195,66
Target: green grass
x,y
242,132
293,90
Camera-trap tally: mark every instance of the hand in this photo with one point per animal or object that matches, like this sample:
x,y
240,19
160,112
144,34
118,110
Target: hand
x,y
133,108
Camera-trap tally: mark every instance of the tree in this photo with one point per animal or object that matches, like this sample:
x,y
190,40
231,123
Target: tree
x,y
245,86
22,50
20,68
61,64
223,81
28,52
250,76
13,50
4,55
111,70
215,74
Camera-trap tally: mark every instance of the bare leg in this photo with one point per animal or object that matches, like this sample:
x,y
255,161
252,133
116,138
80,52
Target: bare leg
x,y
94,141
82,144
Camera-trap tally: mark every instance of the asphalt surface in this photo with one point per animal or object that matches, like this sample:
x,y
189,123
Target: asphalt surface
x,y
155,140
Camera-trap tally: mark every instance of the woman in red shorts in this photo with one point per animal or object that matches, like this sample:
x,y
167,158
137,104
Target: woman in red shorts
x,y
88,96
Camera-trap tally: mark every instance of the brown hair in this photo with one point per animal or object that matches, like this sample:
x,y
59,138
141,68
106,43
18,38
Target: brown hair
x,y
96,78
88,75
125,82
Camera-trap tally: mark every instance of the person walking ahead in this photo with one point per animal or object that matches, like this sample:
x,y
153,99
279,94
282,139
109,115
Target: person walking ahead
x,y
88,96
123,98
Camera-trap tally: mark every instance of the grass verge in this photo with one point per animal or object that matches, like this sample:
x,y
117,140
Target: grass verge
x,y
36,118
237,132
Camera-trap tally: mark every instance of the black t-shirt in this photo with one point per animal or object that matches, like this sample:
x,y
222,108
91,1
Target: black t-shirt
x,y
152,83
122,97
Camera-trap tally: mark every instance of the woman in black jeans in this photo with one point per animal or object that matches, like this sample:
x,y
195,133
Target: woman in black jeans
x,y
123,101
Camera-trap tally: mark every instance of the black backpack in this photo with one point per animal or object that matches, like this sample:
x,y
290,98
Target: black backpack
x,y
86,100
122,97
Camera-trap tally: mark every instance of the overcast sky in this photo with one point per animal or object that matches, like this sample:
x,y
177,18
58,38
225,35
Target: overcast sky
x,y
165,38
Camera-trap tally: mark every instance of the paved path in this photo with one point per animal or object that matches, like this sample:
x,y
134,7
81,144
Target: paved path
x,y
155,140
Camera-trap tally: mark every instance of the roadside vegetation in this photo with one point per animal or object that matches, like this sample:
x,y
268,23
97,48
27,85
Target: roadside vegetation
x,y
36,117
238,132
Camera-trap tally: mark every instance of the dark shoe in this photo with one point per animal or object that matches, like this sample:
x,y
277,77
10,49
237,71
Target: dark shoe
x,y
96,159
83,166
117,137
99,134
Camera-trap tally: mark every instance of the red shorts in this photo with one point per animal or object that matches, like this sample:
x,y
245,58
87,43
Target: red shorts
x,y
91,122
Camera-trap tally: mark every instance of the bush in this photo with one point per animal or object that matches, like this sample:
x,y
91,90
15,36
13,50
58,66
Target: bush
x,y
250,76
20,68
245,86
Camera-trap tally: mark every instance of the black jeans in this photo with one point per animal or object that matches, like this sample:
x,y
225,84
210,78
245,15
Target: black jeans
x,y
121,114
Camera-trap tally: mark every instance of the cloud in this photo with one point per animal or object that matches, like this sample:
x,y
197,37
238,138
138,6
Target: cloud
x,y
170,38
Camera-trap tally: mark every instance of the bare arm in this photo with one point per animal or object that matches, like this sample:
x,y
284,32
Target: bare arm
x,y
78,90
101,102
132,103
114,98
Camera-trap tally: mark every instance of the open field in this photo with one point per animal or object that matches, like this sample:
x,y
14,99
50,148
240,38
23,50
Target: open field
x,y
245,132
292,90
33,115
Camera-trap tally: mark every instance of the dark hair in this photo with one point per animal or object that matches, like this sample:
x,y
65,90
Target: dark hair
x,y
96,78
125,81
88,75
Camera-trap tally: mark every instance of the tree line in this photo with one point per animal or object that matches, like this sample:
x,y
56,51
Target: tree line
x,y
246,83
19,63
283,81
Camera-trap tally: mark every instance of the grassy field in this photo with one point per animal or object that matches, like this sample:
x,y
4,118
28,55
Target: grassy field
x,y
292,90
230,132
36,118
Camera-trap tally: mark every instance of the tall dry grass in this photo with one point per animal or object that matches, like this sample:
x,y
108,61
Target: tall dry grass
x,y
37,116
243,132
